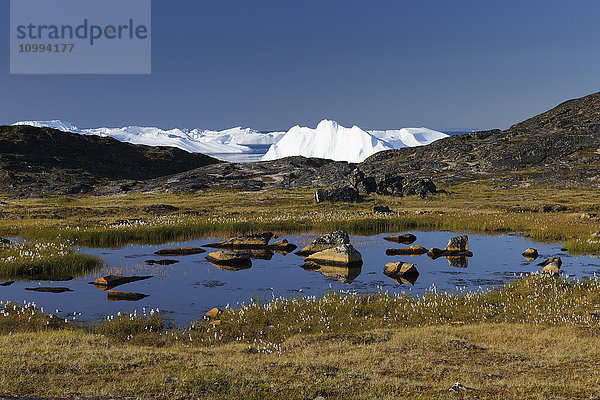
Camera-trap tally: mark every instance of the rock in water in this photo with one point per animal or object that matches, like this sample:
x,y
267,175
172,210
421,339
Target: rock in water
x,y
111,281
282,246
49,289
345,255
346,194
552,268
414,250
530,254
7,283
4,241
180,251
114,295
212,313
458,243
556,260
401,272
324,242
254,241
230,258
404,238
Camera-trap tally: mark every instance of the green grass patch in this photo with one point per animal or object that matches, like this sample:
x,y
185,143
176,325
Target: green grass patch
x,y
22,260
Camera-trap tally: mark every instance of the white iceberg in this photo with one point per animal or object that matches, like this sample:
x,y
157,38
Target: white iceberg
x,y
335,142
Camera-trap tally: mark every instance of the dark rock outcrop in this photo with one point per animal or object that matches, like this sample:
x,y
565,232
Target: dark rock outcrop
x,y
345,194
35,161
382,210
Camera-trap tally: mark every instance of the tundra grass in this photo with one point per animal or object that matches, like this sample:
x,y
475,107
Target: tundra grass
x,y
535,338
544,214
22,260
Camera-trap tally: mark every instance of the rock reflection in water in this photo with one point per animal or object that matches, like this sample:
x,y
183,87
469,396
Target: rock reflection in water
x,y
341,274
233,267
458,261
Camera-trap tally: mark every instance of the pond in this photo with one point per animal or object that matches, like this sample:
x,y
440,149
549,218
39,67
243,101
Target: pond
x,y
186,290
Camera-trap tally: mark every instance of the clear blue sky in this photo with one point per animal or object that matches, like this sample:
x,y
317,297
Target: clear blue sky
x,y
377,64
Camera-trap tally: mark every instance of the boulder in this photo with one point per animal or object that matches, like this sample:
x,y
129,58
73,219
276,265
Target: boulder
x,y
180,251
282,246
418,187
556,260
230,258
345,255
404,270
530,254
405,186
458,243
324,242
414,250
382,209
551,268
212,313
49,289
111,281
363,184
404,238
345,194
114,295
253,241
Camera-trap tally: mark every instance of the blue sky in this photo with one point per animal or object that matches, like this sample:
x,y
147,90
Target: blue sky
x,y
377,64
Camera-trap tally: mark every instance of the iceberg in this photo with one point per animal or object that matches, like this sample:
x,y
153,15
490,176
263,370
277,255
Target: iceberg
x,y
335,142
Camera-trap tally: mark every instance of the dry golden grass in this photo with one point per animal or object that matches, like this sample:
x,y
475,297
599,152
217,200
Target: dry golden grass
x,y
499,361
536,338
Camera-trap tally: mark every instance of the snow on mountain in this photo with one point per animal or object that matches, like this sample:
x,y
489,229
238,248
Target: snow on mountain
x,y
335,142
328,140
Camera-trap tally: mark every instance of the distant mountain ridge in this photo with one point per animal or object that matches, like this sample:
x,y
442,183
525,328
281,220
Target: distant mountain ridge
x,y
47,160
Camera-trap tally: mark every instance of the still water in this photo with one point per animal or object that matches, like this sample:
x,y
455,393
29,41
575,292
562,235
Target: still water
x,y
186,290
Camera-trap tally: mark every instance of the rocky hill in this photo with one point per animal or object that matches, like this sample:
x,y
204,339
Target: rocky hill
x,y
34,161
560,148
